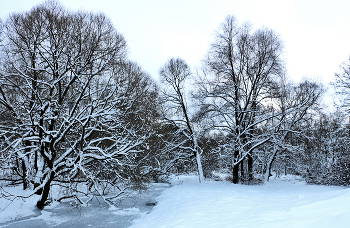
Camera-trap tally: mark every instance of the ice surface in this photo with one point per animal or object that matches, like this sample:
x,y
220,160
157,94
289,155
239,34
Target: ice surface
x,y
66,214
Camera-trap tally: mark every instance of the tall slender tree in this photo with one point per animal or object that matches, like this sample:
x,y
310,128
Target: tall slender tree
x,y
174,74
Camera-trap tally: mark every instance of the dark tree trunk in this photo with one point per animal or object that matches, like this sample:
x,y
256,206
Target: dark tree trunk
x,y
235,170
235,176
24,167
45,193
24,175
242,169
250,167
285,170
270,169
40,190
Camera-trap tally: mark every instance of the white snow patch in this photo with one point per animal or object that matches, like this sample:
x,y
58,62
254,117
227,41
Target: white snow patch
x,y
184,179
52,205
15,208
284,202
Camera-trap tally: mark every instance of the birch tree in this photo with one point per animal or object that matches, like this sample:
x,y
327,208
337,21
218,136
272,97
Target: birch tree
x,y
173,75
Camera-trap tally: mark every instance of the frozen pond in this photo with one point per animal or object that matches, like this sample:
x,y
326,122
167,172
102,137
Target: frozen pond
x,y
95,215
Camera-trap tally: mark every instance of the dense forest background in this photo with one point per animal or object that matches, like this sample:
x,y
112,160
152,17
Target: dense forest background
x,y
77,113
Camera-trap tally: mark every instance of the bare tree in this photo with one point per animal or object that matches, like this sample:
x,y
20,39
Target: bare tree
x,y
297,104
235,89
174,74
61,85
326,158
342,84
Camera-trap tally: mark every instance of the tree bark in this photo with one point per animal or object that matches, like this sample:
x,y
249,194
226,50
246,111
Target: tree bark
x,y
269,164
235,176
242,169
235,170
250,167
200,168
45,193
24,173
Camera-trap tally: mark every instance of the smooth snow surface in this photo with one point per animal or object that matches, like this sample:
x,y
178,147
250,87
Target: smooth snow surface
x,y
284,202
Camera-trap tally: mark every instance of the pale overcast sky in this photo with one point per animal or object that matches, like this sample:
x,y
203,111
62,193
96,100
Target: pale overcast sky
x,y
316,32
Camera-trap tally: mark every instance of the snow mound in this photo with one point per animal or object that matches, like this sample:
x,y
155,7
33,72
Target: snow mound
x,y
184,179
333,212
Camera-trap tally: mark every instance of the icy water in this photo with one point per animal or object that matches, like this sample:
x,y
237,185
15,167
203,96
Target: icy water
x,y
97,214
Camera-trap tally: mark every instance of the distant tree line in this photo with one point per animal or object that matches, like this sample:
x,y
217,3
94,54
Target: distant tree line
x,y
75,111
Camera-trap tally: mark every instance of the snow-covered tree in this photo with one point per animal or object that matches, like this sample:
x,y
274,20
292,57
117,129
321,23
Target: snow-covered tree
x,y
173,75
342,84
325,159
297,104
70,106
240,68
326,155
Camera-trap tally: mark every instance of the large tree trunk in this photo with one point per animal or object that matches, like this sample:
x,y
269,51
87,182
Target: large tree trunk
x,y
45,193
235,170
235,176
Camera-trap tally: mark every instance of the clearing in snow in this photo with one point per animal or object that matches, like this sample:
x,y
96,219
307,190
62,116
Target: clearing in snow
x,y
283,202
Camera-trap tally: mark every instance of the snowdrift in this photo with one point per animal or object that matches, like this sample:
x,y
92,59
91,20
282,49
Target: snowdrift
x,y
281,203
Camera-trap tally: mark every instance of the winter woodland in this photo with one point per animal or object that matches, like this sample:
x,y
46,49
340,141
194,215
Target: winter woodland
x,y
78,114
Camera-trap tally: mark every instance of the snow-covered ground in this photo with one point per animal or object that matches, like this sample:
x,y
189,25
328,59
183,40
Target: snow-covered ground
x,y
284,202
